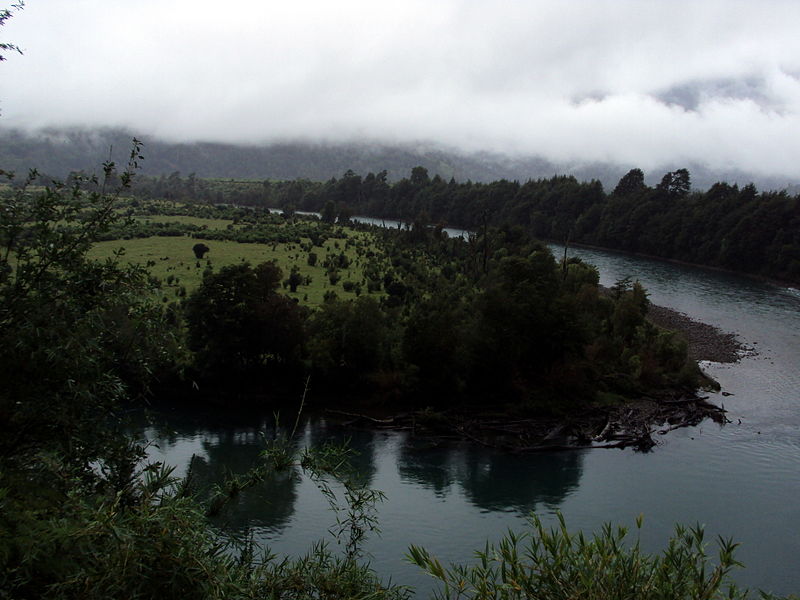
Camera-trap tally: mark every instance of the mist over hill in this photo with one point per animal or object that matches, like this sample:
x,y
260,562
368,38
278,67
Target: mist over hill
x,y
57,152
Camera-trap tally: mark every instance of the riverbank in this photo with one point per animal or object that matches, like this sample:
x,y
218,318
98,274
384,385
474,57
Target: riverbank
x,y
705,341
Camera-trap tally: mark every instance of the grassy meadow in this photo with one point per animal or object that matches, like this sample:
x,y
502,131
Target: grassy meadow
x,y
172,261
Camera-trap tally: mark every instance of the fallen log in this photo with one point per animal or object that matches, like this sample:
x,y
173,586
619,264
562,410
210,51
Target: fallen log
x,y
357,416
603,435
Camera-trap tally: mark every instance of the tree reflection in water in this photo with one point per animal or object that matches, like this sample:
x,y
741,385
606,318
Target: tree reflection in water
x,y
216,444
490,480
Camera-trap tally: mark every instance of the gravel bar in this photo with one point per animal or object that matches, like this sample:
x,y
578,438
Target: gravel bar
x,y
706,342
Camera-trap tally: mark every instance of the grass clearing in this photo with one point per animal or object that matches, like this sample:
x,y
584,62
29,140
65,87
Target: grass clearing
x,y
171,260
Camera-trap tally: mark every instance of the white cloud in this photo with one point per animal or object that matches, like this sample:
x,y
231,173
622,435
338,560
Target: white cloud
x,y
643,83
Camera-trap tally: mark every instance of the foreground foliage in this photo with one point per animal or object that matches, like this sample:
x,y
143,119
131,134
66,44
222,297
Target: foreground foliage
x,y
81,515
76,336
552,564
153,539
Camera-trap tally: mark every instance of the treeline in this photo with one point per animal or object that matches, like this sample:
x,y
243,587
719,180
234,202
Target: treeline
x,y
247,225
730,227
734,228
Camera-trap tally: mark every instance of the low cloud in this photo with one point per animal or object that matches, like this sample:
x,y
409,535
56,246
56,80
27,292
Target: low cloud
x,y
642,83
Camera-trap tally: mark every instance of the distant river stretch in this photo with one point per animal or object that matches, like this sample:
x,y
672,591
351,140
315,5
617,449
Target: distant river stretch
x,y
741,480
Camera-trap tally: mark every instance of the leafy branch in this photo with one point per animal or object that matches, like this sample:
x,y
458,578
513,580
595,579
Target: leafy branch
x,y
329,467
553,564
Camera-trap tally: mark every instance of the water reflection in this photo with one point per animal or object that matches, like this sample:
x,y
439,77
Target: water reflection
x,y
319,431
427,466
522,483
493,481
217,445
268,505
210,445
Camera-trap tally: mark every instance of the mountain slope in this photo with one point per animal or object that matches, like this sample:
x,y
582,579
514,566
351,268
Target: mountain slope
x,y
59,151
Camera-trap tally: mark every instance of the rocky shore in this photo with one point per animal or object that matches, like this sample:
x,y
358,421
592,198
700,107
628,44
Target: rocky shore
x,y
705,341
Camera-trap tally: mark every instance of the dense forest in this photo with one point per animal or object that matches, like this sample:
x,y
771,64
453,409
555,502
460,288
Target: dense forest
x,y
727,227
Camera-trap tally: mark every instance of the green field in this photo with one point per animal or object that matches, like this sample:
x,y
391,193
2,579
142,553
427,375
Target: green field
x,y
171,260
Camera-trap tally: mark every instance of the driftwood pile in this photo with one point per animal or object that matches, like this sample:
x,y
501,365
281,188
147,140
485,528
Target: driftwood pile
x,y
632,425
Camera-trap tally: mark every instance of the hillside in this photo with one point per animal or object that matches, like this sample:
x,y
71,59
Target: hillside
x,y
59,151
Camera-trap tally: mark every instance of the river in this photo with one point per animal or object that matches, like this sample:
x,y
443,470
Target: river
x,y
741,480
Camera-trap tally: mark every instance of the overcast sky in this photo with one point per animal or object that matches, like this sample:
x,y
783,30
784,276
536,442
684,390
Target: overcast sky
x,y
638,82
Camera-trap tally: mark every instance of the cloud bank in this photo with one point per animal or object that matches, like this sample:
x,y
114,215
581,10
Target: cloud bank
x,y
629,82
